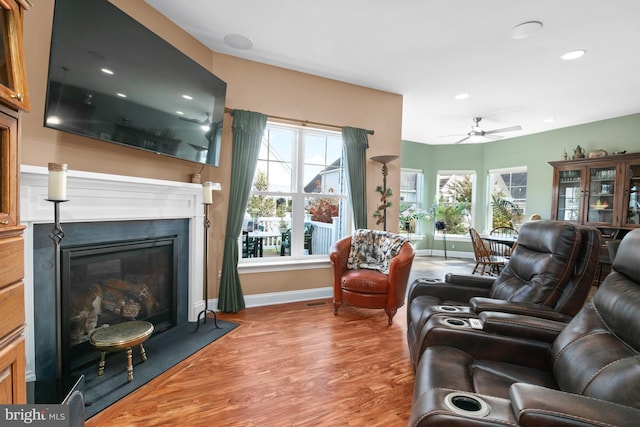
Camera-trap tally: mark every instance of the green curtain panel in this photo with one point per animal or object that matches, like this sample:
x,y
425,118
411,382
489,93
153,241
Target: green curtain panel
x,y
248,128
356,143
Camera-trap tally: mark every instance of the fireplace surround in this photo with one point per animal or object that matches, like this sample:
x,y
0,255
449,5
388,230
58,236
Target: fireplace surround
x,y
136,208
112,251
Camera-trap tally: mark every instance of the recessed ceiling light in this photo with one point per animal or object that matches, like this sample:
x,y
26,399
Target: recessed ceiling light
x,y
525,30
121,95
179,112
238,41
462,96
189,97
106,71
575,54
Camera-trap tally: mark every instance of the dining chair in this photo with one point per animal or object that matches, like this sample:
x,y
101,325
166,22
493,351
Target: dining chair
x,y
249,246
483,256
500,248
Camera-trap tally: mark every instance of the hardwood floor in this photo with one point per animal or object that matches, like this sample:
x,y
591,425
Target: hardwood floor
x,y
286,365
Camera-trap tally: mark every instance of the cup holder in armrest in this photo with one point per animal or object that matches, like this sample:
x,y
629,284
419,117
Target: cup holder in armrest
x,y
466,404
455,322
448,308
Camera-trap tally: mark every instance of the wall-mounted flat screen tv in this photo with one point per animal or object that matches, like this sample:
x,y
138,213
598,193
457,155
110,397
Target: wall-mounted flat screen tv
x,y
111,78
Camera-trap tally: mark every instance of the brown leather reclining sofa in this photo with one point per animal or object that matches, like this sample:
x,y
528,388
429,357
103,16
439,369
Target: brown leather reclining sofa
x,y
549,276
588,376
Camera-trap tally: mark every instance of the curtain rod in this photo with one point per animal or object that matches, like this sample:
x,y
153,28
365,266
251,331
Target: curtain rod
x,y
302,122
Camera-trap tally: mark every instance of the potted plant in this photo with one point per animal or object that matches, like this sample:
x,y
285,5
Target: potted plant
x,y
409,216
505,212
449,216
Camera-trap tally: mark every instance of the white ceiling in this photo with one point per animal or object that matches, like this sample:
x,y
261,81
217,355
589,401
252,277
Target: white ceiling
x,y
429,51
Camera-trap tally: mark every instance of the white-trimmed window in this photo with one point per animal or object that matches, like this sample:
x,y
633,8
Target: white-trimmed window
x,y
455,200
298,204
411,198
508,190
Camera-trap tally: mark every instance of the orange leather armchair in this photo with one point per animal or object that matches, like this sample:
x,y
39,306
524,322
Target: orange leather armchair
x,y
370,288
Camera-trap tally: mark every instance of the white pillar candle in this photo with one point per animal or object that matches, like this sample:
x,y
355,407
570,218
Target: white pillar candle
x,y
207,194
57,181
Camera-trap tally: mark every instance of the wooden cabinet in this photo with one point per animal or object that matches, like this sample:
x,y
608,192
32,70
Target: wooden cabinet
x,y
600,192
13,81
13,99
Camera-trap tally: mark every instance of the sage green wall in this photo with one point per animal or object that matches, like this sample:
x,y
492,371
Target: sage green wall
x,y
533,151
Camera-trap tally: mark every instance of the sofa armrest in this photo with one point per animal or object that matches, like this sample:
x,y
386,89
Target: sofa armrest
x,y
480,282
480,304
537,406
431,410
481,344
519,326
457,290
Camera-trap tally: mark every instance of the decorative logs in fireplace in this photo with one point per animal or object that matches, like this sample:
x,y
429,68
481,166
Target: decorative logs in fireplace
x,y
108,284
120,298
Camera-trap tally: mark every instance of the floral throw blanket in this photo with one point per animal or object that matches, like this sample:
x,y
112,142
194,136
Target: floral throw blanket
x,y
373,249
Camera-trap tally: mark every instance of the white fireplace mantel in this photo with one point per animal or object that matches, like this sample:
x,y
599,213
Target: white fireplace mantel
x,y
104,197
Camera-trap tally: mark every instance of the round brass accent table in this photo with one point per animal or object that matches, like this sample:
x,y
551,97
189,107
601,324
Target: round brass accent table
x,y
121,336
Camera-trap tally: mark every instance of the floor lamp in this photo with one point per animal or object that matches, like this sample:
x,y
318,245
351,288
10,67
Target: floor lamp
x,y
384,160
207,200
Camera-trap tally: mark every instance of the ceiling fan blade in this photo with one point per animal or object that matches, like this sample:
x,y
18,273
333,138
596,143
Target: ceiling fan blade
x,y
508,129
462,140
205,121
198,122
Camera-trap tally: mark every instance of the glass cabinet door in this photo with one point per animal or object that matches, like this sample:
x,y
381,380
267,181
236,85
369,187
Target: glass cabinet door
x,y
602,190
633,201
13,85
569,195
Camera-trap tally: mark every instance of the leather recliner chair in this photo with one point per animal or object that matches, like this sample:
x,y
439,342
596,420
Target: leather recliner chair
x,y
549,276
368,288
588,376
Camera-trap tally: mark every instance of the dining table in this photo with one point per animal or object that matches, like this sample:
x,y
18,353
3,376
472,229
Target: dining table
x,y
259,236
508,240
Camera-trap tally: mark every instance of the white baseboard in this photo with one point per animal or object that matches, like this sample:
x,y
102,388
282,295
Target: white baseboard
x,y
272,298
440,253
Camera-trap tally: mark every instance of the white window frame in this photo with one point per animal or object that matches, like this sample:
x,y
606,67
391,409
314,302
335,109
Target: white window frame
x,y
297,259
474,195
419,191
490,186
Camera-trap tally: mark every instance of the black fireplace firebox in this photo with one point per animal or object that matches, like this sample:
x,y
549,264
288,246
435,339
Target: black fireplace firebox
x,y
106,284
112,271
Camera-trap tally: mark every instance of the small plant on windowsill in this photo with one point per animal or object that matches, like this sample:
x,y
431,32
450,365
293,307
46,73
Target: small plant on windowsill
x,y
448,217
410,216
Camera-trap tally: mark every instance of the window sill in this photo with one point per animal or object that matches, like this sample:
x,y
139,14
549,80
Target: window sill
x,y
413,237
288,264
452,237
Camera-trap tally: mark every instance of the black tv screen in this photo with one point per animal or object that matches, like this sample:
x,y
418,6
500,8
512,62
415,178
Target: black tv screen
x,y
112,79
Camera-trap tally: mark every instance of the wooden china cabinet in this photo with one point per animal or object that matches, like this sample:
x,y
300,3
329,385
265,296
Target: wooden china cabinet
x,y
600,192
13,100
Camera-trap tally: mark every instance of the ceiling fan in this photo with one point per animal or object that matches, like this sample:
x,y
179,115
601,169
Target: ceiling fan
x,y
478,133
203,123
